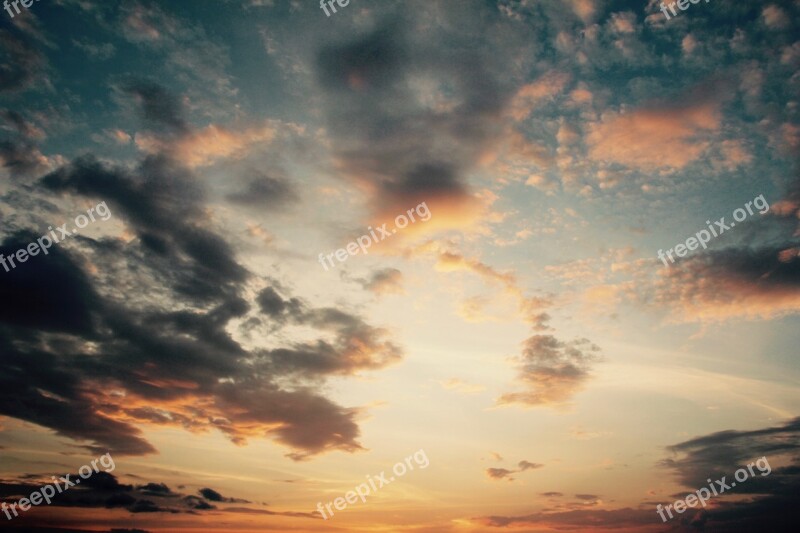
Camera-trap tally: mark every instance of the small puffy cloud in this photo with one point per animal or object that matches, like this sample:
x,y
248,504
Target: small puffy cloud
x,y
384,281
585,9
500,473
775,17
624,22
688,44
527,465
547,87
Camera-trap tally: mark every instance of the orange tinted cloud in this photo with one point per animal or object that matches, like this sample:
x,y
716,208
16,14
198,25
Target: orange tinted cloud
x,y
655,138
529,95
732,283
206,146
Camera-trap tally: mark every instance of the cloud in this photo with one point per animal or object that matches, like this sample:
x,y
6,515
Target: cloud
x,y
104,493
457,385
774,497
527,465
552,380
214,496
408,120
158,106
771,504
384,281
720,453
552,370
22,63
578,519
277,308
206,146
531,308
163,355
665,136
265,191
162,203
718,285
500,473
180,49
504,473
357,346
23,159
585,9
20,155
527,97
775,17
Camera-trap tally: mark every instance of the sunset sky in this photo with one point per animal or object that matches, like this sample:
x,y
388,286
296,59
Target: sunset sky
x,y
523,336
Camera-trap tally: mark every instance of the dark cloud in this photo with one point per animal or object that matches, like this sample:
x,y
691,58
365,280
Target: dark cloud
x,y
578,519
33,529
167,338
147,506
16,122
106,492
273,305
774,490
214,496
21,62
163,204
22,159
20,155
37,384
211,495
159,107
770,506
51,292
754,282
198,503
155,489
719,454
385,134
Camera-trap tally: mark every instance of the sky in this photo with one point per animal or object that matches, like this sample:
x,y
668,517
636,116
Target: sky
x,y
405,266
